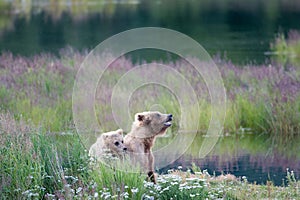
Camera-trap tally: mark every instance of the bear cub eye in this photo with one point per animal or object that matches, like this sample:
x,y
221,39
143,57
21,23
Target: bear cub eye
x,y
117,143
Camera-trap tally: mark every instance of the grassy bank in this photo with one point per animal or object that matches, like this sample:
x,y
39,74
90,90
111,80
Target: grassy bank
x,y
287,48
262,99
37,165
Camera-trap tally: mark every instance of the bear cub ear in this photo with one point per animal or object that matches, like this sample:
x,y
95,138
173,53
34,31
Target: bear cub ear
x,y
120,131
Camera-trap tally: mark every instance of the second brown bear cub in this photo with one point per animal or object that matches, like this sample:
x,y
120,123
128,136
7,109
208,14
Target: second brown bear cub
x,y
139,141
107,145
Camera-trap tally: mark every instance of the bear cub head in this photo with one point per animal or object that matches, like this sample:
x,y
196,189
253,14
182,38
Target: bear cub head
x,y
114,141
152,123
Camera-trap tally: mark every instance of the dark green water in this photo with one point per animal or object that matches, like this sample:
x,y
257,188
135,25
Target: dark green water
x,y
252,155
238,30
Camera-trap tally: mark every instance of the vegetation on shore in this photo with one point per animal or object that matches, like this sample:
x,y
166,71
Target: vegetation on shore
x,y
261,99
287,49
36,165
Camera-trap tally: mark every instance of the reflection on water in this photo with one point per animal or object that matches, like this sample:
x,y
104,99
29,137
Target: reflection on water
x,y
242,30
244,155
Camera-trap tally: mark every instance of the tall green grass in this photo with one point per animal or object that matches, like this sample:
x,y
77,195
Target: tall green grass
x,y
35,165
263,98
119,182
287,49
39,89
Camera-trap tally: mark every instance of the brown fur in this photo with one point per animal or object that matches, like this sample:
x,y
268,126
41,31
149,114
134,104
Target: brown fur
x,y
140,140
148,144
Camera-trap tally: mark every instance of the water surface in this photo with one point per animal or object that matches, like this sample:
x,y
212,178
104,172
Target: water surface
x,y
250,155
238,30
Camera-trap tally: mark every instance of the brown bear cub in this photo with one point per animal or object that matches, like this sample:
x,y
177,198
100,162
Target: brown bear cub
x,y
139,141
110,144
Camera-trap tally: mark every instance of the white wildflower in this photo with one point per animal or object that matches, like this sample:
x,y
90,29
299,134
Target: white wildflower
x,y
78,190
174,183
50,195
191,179
134,190
125,195
192,195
